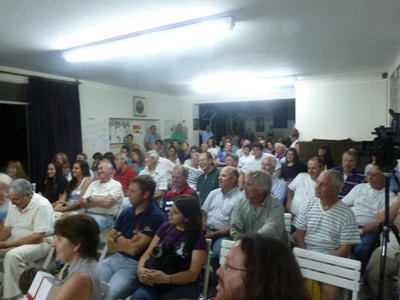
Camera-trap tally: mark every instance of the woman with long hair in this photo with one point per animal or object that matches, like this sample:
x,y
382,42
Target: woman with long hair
x,y
138,160
15,170
75,189
260,267
212,148
172,155
182,237
55,182
63,160
292,166
325,153
77,238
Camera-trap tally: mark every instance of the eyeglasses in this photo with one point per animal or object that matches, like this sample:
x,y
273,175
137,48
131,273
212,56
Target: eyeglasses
x,y
228,266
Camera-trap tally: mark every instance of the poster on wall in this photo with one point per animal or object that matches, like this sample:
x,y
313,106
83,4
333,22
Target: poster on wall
x,y
395,91
119,129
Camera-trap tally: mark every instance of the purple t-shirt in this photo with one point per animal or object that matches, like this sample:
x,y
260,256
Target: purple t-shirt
x,y
199,244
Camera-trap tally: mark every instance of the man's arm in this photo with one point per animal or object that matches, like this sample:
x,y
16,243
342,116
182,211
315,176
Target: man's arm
x,y
35,238
393,211
97,201
343,251
370,228
204,220
274,224
5,233
219,233
133,246
237,225
289,199
299,238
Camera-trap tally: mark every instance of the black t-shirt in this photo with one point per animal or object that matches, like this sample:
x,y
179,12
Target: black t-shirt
x,y
289,173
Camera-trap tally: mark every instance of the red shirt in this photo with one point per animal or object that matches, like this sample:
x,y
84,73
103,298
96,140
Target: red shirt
x,y
125,177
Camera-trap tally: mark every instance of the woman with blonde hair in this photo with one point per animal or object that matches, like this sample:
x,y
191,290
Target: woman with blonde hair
x,y
15,170
63,160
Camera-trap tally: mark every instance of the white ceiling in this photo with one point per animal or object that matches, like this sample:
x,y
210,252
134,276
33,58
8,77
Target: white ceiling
x,y
287,37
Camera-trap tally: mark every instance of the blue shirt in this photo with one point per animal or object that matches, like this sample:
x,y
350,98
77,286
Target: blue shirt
x,y
205,135
351,181
146,222
278,189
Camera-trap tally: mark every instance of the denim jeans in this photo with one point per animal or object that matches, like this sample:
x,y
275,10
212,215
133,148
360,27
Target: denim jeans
x,y
185,291
120,272
104,221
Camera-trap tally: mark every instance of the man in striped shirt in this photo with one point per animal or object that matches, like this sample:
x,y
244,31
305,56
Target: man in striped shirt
x,y
325,224
348,170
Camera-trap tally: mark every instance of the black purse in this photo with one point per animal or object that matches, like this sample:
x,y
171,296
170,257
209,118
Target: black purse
x,y
164,258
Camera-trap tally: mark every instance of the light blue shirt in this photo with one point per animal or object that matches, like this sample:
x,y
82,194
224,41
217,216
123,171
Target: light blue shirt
x,y
205,135
278,189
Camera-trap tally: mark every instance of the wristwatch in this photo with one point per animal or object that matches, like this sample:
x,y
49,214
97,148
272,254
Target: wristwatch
x,y
116,236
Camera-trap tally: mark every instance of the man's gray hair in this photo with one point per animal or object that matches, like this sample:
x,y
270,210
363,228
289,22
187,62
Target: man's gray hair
x,y
196,154
233,156
272,159
5,179
123,156
337,179
263,180
280,145
153,154
20,186
185,172
109,164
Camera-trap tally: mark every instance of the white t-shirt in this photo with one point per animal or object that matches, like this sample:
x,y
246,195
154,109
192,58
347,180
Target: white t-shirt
x,y
113,188
367,202
304,188
37,217
251,163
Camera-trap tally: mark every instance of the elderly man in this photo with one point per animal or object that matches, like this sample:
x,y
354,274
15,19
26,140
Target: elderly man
x,y
326,224
25,236
348,170
206,134
367,200
392,256
208,181
158,175
151,138
179,187
259,211
124,173
103,197
132,233
303,186
217,210
280,152
278,187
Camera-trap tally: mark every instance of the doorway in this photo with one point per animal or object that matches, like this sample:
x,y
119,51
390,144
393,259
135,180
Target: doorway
x,y
14,134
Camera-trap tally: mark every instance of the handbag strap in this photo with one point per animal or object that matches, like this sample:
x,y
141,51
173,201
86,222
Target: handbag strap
x,y
168,229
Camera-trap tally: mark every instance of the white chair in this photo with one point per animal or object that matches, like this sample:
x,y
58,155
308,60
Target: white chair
x,y
288,226
334,270
105,291
103,247
226,245
206,270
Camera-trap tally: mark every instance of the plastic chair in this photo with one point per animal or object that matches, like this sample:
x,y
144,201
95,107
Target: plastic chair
x,y
226,245
334,270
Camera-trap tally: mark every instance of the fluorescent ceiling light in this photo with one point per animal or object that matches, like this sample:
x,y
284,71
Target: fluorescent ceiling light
x,y
244,83
173,37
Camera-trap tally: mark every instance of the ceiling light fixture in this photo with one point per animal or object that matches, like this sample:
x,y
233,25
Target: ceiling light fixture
x,y
242,83
172,37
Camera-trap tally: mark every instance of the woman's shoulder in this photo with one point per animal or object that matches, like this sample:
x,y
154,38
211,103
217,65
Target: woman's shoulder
x,y
200,243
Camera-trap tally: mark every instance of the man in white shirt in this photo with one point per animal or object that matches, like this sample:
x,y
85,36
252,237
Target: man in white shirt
x,y
367,200
255,160
278,187
26,235
303,186
206,134
217,209
103,197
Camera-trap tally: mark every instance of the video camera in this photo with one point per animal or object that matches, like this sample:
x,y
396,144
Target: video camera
x,y
386,146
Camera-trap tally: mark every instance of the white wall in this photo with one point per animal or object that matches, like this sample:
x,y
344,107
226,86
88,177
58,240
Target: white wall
x,y
341,108
100,102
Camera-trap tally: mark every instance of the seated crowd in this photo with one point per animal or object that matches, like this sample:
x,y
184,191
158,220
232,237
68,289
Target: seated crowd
x,y
159,207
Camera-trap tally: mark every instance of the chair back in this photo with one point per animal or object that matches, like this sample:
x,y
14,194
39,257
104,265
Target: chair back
x,y
226,245
105,291
207,269
288,225
334,270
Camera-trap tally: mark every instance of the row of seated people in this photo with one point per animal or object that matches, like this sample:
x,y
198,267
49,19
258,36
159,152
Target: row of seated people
x,y
267,164
137,228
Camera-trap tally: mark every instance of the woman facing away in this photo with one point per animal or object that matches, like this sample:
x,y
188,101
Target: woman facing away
x,y
77,238
76,188
55,182
183,235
